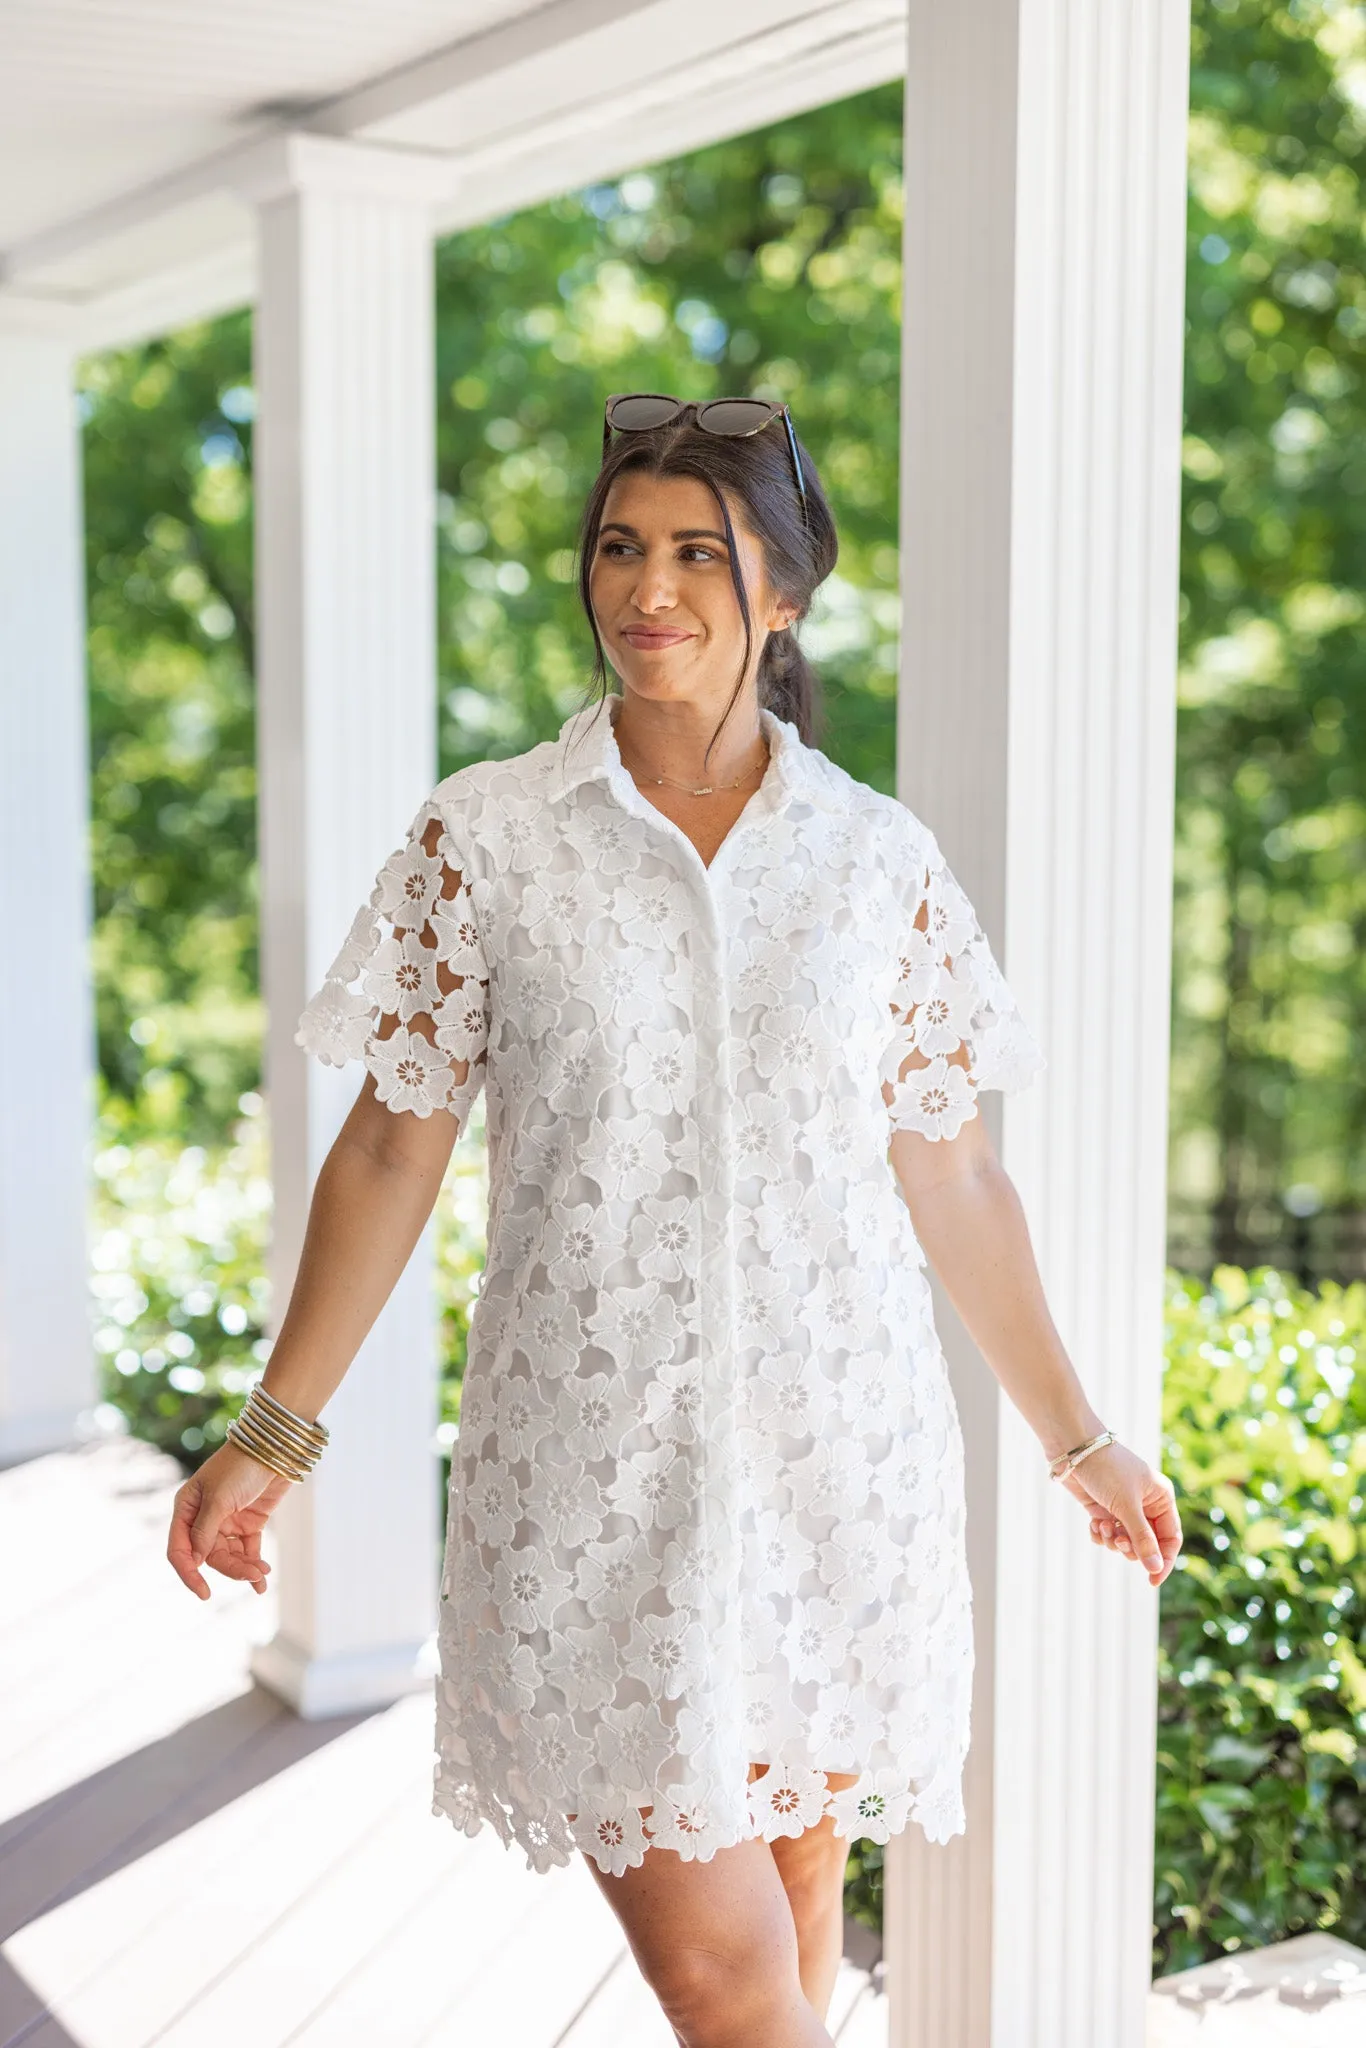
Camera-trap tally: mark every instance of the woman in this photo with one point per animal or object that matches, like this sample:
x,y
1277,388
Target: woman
x,y
705,1611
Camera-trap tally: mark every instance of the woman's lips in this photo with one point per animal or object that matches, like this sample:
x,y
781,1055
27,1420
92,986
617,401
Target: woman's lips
x,y
654,636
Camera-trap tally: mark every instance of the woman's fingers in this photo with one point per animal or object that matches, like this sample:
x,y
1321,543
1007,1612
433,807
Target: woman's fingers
x,y
204,1527
179,1545
232,1558
1142,1537
1166,1522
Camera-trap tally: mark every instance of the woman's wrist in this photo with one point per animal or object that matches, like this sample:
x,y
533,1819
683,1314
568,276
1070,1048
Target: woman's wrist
x,y
1068,1430
306,1407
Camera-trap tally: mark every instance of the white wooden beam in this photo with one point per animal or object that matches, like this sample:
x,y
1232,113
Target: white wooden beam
x,y
345,582
1044,246
47,1372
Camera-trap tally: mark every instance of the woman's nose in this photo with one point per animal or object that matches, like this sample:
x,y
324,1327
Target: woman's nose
x,y
654,590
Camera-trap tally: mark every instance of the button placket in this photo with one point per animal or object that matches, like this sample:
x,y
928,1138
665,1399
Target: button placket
x,y
716,1255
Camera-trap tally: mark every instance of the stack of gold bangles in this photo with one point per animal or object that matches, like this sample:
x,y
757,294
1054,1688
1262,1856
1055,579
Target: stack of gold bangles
x,y
276,1437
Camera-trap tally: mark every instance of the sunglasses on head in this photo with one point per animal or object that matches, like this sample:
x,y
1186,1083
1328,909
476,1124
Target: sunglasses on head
x,y
640,412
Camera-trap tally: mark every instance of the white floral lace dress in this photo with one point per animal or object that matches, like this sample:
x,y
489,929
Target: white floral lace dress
x,y
707,1500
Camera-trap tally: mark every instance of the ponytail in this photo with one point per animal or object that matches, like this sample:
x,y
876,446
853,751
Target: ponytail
x,y
788,685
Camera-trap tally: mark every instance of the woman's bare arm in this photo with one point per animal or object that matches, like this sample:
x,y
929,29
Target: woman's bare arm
x,y
374,1194
968,1216
376,1190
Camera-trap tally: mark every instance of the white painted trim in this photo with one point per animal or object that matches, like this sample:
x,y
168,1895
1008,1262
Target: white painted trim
x,y
462,66
219,282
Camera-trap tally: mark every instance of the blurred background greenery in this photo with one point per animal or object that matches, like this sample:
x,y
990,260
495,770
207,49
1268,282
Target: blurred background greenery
x,y
772,263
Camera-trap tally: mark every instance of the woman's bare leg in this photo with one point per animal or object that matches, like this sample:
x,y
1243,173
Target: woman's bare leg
x,y
717,1944
811,1866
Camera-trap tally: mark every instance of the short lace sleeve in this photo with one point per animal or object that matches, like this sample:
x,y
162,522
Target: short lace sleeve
x,y
408,992
957,1026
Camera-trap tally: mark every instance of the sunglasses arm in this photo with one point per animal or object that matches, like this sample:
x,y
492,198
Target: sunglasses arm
x,y
796,459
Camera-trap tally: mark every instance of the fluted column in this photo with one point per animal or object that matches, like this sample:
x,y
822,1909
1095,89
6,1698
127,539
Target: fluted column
x,y
345,580
47,1375
1045,179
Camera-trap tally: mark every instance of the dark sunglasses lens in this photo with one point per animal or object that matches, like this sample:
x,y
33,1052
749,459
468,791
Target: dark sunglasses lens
x,y
642,410
735,415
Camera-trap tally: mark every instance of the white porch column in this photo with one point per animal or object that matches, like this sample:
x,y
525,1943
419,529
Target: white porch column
x,y
1045,191
345,538
47,1373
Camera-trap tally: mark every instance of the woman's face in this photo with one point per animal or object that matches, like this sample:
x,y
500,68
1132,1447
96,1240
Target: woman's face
x,y
662,593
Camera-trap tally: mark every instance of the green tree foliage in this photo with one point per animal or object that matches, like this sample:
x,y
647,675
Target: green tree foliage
x,y
1269,1089
168,536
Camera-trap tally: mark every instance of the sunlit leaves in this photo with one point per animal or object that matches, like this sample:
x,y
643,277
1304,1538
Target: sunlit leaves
x,y
1261,1823
1271,865
167,443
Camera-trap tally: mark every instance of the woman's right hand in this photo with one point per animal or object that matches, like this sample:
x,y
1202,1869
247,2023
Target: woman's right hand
x,y
217,1518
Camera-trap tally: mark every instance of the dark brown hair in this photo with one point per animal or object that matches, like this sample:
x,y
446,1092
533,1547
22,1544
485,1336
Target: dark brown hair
x,y
756,471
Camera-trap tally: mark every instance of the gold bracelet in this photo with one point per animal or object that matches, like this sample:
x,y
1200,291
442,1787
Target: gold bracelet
x,y
263,1453
1067,1462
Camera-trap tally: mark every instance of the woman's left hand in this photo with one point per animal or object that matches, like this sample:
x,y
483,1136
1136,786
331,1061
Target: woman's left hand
x,y
1132,1508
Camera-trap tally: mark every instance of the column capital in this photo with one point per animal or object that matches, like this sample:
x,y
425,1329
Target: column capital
x,y
279,166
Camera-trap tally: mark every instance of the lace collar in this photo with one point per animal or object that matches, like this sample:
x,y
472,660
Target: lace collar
x,y
587,751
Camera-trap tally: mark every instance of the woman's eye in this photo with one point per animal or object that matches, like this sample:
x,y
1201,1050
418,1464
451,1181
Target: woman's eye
x,y
614,550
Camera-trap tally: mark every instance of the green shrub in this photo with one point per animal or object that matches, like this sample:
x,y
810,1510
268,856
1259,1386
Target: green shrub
x,y
1261,1826
179,1281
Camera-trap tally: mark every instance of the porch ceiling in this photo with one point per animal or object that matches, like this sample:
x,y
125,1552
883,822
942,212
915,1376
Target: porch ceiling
x,y
124,124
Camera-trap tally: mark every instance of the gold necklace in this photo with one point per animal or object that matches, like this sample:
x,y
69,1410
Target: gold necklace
x,y
707,789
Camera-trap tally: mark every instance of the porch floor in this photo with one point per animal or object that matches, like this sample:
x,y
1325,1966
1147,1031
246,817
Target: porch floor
x,y
185,1863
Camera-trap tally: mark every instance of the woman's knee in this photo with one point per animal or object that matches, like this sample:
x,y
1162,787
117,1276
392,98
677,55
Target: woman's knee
x,y
712,1997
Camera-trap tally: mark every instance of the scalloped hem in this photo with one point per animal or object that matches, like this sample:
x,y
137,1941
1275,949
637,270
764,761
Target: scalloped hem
x,y
787,1800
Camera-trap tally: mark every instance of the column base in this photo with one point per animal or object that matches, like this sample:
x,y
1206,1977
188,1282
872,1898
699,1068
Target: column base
x,y
349,1683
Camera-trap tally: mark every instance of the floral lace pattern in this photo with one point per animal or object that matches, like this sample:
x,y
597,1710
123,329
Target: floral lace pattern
x,y
706,1506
